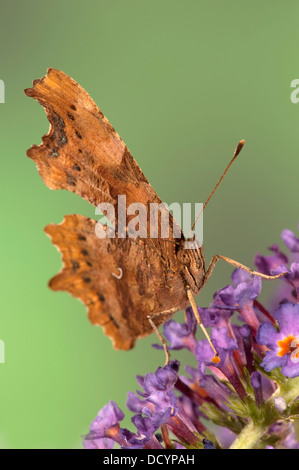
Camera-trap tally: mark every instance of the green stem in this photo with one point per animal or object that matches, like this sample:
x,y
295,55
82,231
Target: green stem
x,y
249,436
289,390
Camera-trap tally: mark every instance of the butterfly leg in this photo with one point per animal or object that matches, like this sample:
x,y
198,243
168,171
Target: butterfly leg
x,y
207,276
154,327
198,319
236,264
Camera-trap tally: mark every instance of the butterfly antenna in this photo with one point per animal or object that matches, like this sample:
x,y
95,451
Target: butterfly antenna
x,y
236,153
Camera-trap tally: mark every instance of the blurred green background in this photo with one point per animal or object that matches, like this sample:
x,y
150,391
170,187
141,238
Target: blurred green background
x,y
182,82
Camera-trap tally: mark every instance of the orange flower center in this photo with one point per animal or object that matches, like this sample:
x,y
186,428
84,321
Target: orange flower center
x,y
288,345
112,432
216,359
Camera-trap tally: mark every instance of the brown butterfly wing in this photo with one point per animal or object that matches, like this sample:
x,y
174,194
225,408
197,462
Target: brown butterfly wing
x,y
83,154
121,281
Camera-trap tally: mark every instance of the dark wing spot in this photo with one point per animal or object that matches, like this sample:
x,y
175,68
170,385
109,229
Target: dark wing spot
x,y
81,237
62,139
84,252
79,150
76,167
86,279
75,264
61,122
78,134
71,116
113,321
54,152
73,107
101,297
89,264
58,132
71,180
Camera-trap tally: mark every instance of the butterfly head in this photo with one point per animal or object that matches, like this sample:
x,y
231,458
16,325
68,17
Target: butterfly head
x,y
192,266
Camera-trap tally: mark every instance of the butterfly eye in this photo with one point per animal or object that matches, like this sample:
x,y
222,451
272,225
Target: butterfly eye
x,y
183,257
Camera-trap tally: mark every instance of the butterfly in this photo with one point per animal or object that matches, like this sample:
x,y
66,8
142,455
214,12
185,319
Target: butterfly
x,y
130,286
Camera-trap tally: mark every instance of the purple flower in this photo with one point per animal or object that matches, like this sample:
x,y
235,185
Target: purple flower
x,y
283,345
246,288
290,240
108,418
105,426
291,276
245,334
206,385
208,444
267,263
145,429
280,404
224,345
215,389
157,403
163,379
256,382
291,441
240,296
160,406
134,441
181,335
215,316
100,443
